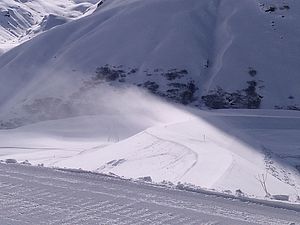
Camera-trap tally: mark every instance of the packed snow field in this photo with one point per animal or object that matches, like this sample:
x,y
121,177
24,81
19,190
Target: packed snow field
x,y
131,88
31,195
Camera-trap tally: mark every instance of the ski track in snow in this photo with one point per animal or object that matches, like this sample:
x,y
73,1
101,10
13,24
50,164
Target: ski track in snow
x,y
188,150
32,195
220,47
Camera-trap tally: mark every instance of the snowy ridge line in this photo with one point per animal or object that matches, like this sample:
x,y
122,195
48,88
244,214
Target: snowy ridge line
x,y
183,187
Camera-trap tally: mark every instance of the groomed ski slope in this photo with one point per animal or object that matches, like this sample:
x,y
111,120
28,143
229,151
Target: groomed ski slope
x,y
31,195
226,150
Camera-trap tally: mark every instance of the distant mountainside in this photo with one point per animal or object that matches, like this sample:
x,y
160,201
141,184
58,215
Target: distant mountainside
x,y
207,54
21,20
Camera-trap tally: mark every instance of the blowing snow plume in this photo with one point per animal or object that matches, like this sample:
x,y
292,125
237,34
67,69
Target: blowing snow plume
x,y
63,95
126,131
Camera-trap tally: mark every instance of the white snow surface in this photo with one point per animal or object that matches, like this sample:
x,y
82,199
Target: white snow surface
x,y
23,19
36,195
169,34
225,151
45,85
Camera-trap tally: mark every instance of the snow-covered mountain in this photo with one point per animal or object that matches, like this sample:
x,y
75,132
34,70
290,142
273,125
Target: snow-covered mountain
x,y
96,65
21,20
201,53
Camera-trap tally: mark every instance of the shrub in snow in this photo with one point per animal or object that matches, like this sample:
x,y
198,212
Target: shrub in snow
x,y
11,161
280,197
207,63
271,9
180,186
284,7
183,93
247,98
253,99
175,74
228,192
216,99
239,193
262,179
167,183
133,71
151,86
108,73
288,107
252,72
7,14
188,95
146,179
26,162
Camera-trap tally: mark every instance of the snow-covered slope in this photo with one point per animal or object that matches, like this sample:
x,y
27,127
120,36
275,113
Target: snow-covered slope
x,y
182,50
209,53
153,47
22,20
226,151
259,41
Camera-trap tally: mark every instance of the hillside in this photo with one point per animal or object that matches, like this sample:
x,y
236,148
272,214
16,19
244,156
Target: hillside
x,y
22,20
121,89
227,63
